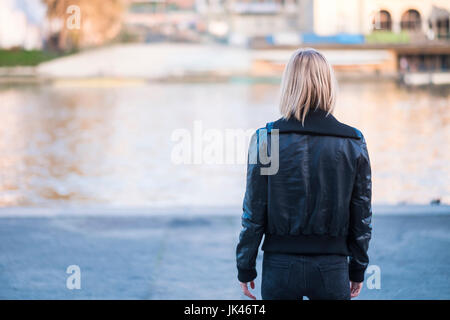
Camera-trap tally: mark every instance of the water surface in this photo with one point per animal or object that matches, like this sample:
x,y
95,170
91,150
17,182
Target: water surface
x,y
111,145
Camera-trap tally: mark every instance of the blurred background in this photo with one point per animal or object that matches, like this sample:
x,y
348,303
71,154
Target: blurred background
x,y
91,92
88,109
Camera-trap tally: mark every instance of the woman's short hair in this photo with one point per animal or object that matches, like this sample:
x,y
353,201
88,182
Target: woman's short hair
x,y
308,82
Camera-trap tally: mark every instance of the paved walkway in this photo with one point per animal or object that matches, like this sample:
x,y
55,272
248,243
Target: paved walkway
x,y
193,257
161,60
149,61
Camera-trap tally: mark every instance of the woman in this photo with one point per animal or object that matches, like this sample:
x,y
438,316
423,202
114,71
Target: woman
x,y
315,210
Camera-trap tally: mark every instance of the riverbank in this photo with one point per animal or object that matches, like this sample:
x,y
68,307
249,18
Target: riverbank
x,y
190,255
169,61
193,62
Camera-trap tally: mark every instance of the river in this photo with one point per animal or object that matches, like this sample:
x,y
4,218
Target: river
x,y
110,144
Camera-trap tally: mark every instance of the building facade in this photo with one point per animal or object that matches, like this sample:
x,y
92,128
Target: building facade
x,y
288,20
224,19
422,18
259,18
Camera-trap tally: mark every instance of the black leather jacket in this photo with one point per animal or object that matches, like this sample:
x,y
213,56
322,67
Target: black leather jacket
x,y
318,201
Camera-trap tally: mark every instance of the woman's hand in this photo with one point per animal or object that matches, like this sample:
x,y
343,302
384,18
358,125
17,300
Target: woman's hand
x,y
355,288
245,289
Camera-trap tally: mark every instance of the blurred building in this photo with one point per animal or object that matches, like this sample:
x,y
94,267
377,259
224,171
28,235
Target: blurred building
x,y
234,21
421,19
291,22
409,38
252,22
153,20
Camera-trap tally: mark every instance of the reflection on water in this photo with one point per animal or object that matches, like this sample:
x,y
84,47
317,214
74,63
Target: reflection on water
x,y
64,145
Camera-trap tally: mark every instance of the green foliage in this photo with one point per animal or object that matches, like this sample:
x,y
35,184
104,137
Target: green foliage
x,y
20,57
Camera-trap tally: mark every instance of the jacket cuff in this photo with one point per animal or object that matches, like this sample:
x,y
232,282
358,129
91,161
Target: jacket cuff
x,y
356,275
246,275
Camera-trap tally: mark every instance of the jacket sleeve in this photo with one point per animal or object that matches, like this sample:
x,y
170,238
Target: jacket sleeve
x,y
360,225
253,216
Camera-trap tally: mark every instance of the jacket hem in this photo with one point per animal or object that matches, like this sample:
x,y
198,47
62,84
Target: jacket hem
x,y
306,244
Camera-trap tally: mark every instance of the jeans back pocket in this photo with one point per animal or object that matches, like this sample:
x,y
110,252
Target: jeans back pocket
x,y
334,273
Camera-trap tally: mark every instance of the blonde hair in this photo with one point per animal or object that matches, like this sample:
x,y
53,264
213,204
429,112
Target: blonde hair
x,y
308,81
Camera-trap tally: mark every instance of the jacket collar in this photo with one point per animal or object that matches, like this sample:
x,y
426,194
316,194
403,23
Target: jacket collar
x,y
316,123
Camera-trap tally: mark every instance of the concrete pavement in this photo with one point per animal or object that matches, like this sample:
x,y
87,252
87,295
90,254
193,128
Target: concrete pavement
x,y
192,257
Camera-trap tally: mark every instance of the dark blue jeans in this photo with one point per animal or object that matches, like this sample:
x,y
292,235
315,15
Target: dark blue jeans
x,y
292,277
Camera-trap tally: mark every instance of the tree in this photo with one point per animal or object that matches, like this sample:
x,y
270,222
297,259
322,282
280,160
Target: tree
x,y
100,21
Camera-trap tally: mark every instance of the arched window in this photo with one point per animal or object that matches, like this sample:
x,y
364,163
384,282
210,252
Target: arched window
x,y
439,22
443,28
382,20
411,20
